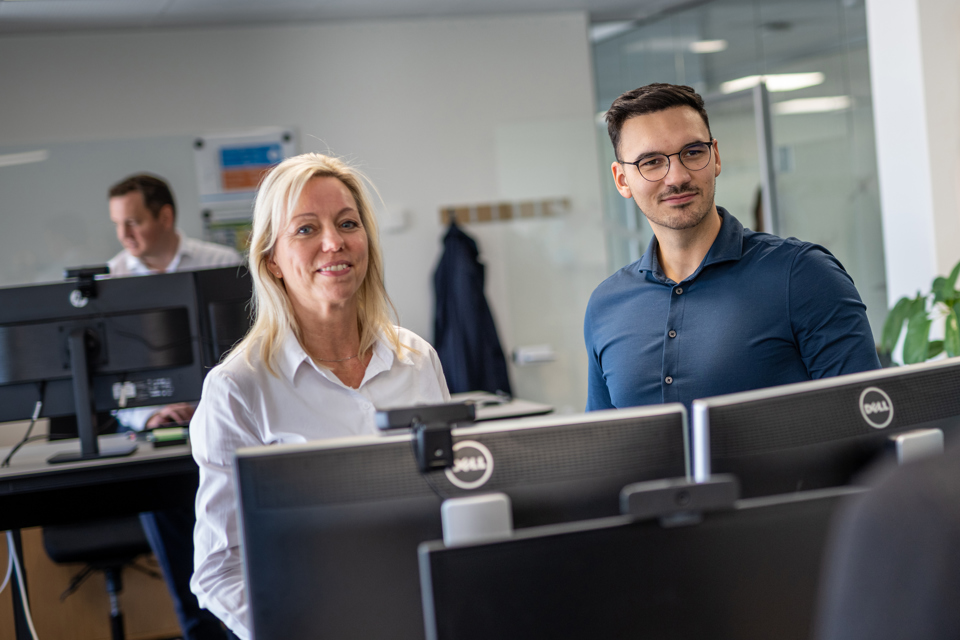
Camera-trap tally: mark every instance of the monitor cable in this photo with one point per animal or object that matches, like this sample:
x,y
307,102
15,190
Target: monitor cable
x,y
6,578
427,475
26,436
15,562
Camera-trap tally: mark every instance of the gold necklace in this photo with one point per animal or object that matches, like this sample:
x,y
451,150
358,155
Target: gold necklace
x,y
340,360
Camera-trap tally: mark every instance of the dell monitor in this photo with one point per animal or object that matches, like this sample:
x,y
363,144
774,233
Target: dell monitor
x,y
79,348
821,433
329,530
747,573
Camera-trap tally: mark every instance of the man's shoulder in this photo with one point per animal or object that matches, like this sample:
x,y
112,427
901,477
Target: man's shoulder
x,y
625,278
120,264
783,251
768,240
209,254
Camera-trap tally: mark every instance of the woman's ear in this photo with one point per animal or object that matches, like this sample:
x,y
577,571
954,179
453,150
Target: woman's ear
x,y
274,268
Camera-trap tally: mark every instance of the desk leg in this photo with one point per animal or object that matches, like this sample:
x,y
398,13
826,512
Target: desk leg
x,y
19,615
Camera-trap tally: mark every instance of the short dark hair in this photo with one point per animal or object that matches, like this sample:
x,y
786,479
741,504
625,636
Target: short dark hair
x,y
155,191
651,99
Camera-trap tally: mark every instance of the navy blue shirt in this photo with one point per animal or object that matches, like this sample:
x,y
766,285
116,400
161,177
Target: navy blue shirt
x,y
759,311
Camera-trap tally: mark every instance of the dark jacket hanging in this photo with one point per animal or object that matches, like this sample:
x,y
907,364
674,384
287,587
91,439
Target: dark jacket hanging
x,y
465,335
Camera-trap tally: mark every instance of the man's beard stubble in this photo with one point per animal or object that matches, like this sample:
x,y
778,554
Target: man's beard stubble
x,y
684,217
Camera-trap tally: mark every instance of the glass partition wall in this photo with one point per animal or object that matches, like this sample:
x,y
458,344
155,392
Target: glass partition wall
x,y
806,165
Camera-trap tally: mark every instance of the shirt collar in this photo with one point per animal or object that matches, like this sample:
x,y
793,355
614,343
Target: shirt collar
x,y
136,265
727,246
182,250
729,242
292,356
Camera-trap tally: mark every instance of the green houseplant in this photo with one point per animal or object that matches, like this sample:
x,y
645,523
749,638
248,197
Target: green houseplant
x,y
916,315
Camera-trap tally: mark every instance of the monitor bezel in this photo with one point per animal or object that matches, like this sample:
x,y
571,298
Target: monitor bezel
x,y
700,409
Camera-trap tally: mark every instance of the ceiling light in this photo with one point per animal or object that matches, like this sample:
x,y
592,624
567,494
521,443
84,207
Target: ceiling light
x,y
708,46
812,105
13,159
775,82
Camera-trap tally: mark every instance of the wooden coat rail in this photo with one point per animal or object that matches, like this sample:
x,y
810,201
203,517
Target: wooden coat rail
x,y
465,214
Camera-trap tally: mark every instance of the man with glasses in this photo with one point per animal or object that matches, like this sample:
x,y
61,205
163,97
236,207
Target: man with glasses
x,y
710,308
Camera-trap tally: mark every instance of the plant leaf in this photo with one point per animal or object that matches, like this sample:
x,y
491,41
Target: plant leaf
x,y
951,340
893,325
943,290
934,349
952,278
915,344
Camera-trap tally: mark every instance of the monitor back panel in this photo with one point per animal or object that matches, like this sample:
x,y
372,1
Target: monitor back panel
x,y
224,302
745,574
147,335
782,440
330,534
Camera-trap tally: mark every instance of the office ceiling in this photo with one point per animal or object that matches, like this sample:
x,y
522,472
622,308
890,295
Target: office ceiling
x,y
32,16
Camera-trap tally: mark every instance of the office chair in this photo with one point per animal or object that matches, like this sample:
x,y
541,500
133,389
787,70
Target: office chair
x,y
106,545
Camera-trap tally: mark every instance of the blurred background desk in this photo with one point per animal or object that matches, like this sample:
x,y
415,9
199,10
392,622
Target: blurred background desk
x,y
490,406
34,493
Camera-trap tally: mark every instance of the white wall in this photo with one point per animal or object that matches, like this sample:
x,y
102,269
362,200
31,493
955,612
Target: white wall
x,y
915,73
422,105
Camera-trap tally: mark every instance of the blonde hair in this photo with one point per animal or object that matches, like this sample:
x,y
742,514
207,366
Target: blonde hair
x,y
272,311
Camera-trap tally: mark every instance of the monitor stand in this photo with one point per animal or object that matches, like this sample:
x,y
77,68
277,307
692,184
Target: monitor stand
x,y
82,345
108,451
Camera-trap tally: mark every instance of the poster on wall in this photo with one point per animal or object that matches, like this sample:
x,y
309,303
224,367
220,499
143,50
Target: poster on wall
x,y
229,170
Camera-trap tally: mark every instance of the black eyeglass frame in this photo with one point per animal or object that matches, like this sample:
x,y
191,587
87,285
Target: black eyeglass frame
x,y
668,155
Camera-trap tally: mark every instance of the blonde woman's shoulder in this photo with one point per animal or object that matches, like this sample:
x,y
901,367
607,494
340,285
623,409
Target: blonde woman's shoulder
x,y
412,341
238,367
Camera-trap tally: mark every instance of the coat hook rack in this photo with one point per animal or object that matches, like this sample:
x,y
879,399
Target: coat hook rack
x,y
489,212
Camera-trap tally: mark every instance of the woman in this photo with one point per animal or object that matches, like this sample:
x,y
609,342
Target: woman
x,y
320,358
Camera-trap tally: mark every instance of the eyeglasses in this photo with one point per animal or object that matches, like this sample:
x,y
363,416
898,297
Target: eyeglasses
x,y
656,167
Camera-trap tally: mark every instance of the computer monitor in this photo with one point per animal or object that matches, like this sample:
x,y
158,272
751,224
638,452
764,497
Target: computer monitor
x,y
750,573
224,299
330,529
136,341
821,433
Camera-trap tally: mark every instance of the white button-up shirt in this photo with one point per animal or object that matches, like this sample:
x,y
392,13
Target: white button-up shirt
x,y
244,405
191,255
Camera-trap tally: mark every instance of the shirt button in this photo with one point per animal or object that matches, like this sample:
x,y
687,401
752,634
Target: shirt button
x,y
672,334
668,380
679,290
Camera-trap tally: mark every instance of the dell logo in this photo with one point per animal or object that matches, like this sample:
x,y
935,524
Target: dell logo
x,y
876,407
472,465
461,465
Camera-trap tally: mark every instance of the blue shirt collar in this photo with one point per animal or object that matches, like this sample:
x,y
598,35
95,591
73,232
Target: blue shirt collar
x,y
727,246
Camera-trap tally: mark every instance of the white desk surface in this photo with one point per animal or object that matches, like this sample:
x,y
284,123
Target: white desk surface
x,y
34,492
31,459
492,407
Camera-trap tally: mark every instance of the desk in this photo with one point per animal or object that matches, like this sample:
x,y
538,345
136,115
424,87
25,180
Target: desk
x,y
35,493
493,407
